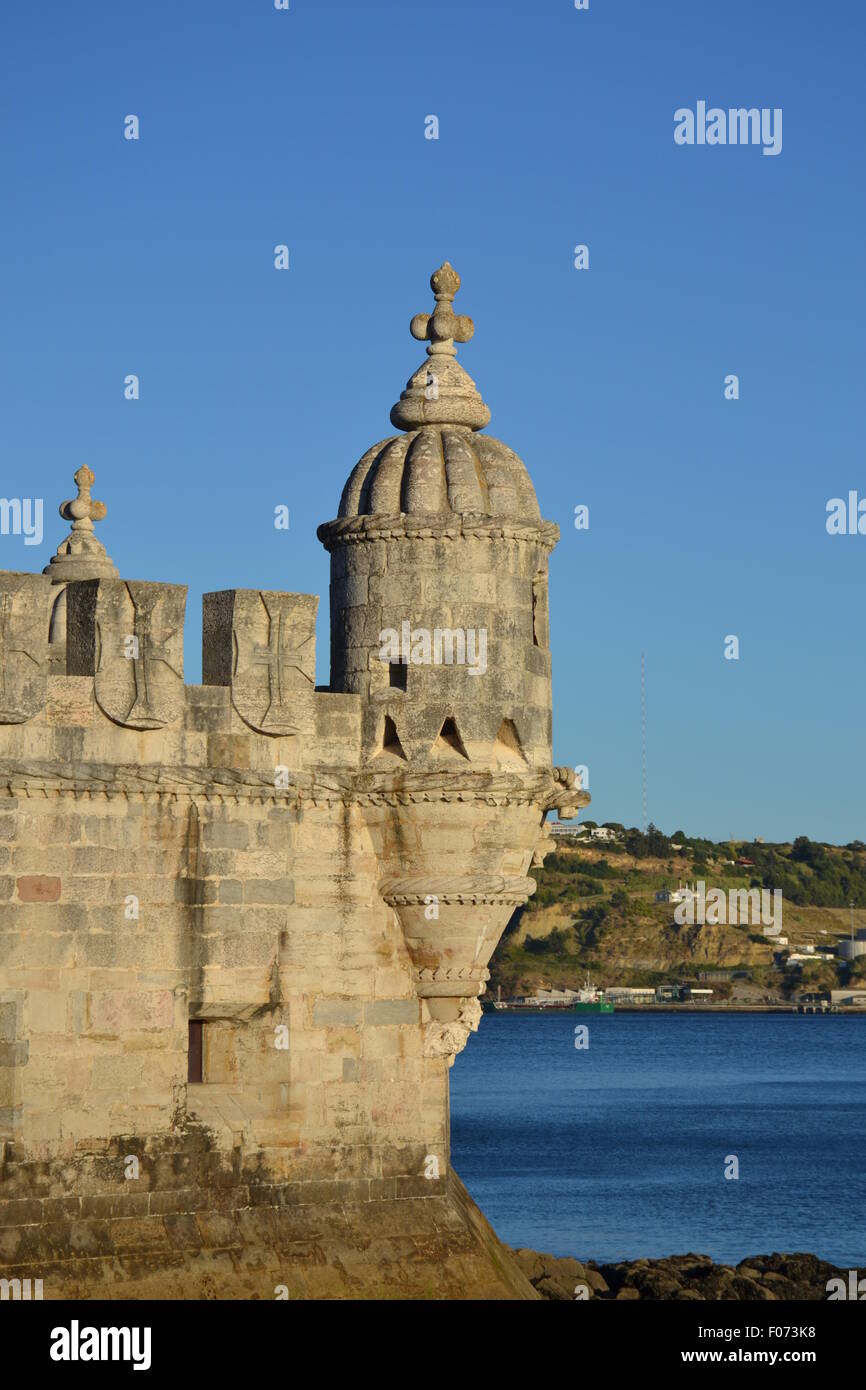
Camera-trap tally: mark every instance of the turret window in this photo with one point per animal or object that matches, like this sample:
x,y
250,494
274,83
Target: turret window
x,y
540,617
508,746
195,1053
449,742
391,739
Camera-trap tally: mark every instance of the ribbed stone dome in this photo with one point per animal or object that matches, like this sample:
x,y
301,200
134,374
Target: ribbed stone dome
x,y
441,464
440,468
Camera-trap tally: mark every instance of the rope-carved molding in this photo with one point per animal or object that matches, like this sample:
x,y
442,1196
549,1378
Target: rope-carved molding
x,y
451,973
434,526
35,777
478,889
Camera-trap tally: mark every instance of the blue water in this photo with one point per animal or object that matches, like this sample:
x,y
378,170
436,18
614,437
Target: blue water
x,y
619,1151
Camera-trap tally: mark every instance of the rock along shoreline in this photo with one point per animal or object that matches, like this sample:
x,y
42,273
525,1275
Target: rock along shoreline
x,y
680,1277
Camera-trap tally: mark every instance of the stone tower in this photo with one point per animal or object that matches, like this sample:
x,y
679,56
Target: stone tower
x,y
439,623
244,925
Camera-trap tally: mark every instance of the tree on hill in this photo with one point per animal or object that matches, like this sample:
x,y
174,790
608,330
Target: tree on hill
x,y
805,851
659,844
815,977
635,843
589,921
556,943
652,844
599,868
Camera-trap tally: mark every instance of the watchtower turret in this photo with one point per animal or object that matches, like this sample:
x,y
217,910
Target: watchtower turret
x,y
439,621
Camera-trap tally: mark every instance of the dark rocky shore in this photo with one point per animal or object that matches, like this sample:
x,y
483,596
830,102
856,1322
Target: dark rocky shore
x,y
681,1277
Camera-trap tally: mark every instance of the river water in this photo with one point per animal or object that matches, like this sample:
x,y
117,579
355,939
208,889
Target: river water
x,y
619,1150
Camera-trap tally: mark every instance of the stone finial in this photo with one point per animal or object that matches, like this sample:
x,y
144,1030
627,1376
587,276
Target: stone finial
x,y
81,555
441,392
443,328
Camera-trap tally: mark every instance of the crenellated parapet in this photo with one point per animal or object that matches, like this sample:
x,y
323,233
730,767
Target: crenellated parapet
x,y
122,660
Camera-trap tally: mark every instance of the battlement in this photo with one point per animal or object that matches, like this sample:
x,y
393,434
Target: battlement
x,y
122,652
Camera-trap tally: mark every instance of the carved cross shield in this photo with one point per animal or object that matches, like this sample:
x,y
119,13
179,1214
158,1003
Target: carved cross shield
x,y
25,608
139,652
274,668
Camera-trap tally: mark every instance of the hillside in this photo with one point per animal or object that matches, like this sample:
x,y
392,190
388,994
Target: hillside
x,y
595,911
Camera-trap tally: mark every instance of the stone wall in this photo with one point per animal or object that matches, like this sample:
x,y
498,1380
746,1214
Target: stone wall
x,y
198,869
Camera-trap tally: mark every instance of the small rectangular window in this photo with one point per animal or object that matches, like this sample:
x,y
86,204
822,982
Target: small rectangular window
x,y
194,1055
540,618
398,675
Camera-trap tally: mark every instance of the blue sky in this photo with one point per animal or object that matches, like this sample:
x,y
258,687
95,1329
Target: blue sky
x,y
258,387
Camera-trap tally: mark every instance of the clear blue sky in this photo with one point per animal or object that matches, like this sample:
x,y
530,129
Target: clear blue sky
x,y
707,517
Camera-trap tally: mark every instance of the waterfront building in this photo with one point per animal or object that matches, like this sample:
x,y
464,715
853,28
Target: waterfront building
x,y
852,949
567,832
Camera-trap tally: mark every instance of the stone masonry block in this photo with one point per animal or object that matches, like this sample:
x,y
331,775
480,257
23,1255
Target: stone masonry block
x,y
38,888
226,834
123,1011
330,1013
47,1011
8,1021
262,890
392,1012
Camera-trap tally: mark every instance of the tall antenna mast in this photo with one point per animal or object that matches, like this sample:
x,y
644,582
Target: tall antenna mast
x,y
643,734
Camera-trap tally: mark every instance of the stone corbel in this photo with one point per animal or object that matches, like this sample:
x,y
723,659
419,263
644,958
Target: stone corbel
x,y
566,796
451,926
544,847
447,1039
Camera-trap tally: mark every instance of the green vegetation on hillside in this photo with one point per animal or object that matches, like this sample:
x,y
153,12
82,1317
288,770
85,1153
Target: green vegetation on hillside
x,y
595,910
